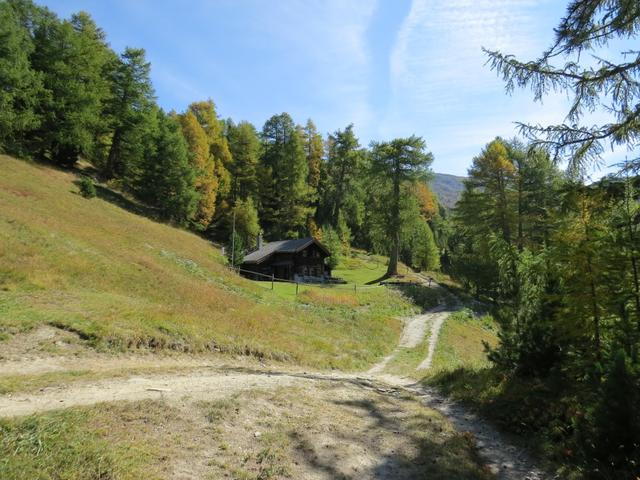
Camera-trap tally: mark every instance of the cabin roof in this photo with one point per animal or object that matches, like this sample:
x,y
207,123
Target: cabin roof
x,y
282,246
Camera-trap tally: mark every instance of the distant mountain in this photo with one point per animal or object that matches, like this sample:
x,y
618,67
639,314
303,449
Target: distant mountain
x,y
448,188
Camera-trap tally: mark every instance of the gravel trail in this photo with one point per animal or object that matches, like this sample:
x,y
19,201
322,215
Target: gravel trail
x,y
502,456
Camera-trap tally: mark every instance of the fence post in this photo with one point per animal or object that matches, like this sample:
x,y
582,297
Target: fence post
x,y
272,281
355,288
296,288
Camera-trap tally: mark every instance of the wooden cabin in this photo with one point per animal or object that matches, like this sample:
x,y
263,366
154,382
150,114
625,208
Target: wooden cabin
x,y
300,260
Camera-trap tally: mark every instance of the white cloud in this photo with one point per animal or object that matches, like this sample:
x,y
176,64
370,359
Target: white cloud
x,y
441,87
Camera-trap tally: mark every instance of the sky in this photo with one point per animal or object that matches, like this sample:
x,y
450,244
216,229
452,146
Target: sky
x,y
393,68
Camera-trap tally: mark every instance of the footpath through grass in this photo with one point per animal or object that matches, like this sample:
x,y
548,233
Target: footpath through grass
x,y
122,281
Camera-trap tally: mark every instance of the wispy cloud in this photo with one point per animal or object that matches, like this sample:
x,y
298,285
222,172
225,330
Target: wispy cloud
x,y
437,57
440,85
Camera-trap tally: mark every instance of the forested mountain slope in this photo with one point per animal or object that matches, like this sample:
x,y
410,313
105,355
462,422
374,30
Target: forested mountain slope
x,y
448,188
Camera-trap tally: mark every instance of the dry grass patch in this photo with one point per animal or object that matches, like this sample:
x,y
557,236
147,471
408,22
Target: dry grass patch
x,y
102,442
327,297
121,281
333,429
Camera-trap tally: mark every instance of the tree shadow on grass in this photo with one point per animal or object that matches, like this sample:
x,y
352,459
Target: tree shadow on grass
x,y
398,441
423,296
117,198
379,279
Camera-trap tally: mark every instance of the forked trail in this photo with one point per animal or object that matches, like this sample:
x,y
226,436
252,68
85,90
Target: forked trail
x,y
506,460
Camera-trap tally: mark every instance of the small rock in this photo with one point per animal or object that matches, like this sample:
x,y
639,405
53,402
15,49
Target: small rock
x,y
257,434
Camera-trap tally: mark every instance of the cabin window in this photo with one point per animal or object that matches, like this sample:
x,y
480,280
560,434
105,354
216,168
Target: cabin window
x,y
305,272
304,253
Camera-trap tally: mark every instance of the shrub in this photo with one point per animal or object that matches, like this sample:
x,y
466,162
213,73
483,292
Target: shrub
x,y
87,188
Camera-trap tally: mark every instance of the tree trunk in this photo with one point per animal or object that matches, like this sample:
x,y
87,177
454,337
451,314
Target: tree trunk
x,y
595,310
393,257
395,220
112,159
520,213
634,261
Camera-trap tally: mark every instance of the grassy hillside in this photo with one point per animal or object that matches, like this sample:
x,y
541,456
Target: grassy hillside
x,y
121,281
461,342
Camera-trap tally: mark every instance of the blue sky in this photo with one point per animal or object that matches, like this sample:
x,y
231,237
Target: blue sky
x,y
391,67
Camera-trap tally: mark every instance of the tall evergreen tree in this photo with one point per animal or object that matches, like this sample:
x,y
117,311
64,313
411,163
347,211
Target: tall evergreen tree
x,y
284,171
244,145
344,169
165,176
314,151
130,100
20,85
72,56
396,163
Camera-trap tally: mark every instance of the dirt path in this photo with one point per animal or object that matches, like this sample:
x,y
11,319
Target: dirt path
x,y
172,388
503,457
436,324
413,333
217,381
505,460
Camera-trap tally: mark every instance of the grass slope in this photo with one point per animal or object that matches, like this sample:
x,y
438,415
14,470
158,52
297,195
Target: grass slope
x,y
122,281
461,342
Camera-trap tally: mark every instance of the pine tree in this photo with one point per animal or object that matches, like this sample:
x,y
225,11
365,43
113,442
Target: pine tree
x,y
244,145
493,172
345,164
314,151
165,178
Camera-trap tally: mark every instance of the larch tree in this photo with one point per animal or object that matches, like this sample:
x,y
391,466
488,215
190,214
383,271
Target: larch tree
x,y
19,83
244,145
72,56
205,113
344,165
493,171
575,65
314,151
131,99
204,166
396,163
284,170
166,177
